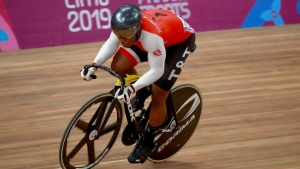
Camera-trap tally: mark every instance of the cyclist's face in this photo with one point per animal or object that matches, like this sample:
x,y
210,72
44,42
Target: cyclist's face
x,y
127,42
127,37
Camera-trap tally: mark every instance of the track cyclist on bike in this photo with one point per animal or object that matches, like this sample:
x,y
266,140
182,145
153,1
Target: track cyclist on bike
x,y
164,40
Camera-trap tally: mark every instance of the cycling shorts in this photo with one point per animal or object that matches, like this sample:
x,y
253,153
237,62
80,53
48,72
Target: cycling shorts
x,y
175,59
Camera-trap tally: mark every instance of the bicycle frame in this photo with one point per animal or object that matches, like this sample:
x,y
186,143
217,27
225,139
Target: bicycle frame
x,y
129,114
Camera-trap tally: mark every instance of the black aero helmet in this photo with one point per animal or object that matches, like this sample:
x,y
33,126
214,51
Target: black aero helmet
x,y
125,21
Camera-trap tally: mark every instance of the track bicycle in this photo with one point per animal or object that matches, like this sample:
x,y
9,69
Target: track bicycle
x,y
94,128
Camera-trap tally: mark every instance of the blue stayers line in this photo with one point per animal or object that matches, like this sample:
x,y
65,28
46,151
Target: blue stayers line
x,y
3,36
263,10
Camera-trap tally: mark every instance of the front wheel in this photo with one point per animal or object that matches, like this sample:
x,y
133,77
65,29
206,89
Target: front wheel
x,y
91,133
188,106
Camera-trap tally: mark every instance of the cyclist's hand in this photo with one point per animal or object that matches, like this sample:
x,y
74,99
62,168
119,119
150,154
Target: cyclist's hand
x,y
126,96
91,71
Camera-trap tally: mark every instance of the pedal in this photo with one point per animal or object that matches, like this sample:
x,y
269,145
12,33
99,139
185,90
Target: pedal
x,y
128,138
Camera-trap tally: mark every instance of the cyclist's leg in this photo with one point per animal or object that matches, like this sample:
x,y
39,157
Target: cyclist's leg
x,y
126,59
158,110
175,59
124,62
122,65
176,56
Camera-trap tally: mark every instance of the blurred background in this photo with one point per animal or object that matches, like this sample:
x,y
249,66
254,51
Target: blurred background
x,y
246,65
33,23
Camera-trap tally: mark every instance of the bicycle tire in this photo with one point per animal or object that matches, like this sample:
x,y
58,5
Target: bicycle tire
x,y
187,100
87,127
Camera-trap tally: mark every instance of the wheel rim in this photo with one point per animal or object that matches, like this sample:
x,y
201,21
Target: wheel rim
x,y
81,146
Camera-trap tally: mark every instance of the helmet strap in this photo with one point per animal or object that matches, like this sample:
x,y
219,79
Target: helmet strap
x,y
137,37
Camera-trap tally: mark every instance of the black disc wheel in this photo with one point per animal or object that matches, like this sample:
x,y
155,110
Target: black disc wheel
x,y
188,106
91,133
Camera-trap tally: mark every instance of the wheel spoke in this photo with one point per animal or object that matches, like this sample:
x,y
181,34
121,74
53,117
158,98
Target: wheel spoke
x,y
77,148
91,151
103,106
106,117
108,129
99,112
82,125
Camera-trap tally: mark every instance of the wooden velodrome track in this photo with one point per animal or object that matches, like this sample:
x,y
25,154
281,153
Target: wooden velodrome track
x,y
249,78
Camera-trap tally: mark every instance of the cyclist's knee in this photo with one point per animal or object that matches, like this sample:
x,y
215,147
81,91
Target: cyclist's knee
x,y
121,64
123,69
158,95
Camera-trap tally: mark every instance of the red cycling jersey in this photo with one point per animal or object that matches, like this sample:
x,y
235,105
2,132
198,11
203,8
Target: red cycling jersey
x,y
166,24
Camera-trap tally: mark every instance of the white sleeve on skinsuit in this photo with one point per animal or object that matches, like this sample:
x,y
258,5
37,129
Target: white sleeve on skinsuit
x,y
154,44
108,49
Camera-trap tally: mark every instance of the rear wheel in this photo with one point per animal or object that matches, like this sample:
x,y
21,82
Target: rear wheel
x,y
188,106
91,133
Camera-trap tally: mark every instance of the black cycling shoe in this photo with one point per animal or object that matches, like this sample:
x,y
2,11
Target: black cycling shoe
x,y
143,151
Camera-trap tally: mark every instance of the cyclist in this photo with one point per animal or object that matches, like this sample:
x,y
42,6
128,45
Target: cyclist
x,y
164,40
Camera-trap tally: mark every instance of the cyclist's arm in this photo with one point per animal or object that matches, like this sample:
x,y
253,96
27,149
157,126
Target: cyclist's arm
x,y
156,59
108,49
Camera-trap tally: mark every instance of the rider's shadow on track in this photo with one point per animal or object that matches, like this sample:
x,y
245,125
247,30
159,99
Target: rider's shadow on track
x,y
197,164
172,165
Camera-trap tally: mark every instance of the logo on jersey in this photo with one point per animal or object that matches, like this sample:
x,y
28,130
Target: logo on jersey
x,y
160,14
157,53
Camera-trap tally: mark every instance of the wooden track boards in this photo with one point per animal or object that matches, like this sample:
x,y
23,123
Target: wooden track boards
x,y
249,78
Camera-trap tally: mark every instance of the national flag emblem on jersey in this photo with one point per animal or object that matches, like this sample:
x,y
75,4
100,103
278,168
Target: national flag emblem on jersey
x,y
157,53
